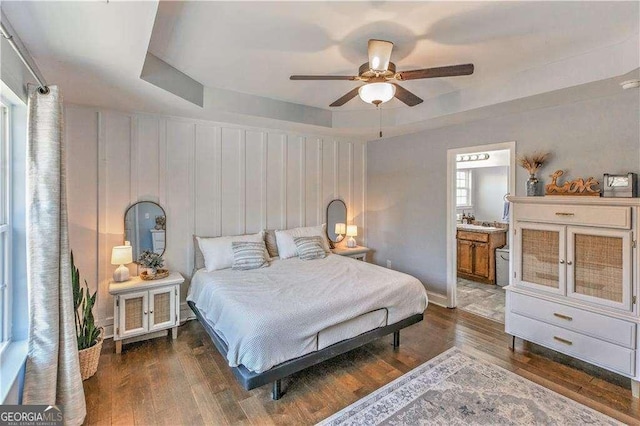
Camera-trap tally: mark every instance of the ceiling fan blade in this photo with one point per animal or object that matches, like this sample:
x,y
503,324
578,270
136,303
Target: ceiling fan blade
x,y
379,54
406,96
346,98
450,71
322,77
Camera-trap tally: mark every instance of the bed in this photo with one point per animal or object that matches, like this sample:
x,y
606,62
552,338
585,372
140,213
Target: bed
x,y
272,322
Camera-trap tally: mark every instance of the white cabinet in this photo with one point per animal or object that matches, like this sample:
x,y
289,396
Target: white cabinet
x,y
575,279
145,307
157,240
587,263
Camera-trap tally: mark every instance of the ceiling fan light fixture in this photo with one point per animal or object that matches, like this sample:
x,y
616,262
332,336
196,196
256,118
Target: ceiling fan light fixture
x,y
377,93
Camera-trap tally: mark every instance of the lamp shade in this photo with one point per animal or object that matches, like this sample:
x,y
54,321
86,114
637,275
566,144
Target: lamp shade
x,y
341,228
379,54
121,255
352,231
377,93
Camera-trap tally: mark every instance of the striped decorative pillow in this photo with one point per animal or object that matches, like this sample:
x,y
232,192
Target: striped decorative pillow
x,y
248,255
310,248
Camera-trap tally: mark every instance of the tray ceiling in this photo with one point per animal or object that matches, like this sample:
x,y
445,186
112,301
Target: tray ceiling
x,y
244,52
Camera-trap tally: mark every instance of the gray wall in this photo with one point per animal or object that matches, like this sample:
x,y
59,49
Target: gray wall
x,y
406,175
490,184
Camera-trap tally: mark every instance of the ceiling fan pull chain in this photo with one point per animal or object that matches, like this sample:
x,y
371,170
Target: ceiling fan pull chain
x,y
380,119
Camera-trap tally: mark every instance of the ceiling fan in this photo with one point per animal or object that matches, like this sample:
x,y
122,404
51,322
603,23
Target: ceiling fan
x,y
379,75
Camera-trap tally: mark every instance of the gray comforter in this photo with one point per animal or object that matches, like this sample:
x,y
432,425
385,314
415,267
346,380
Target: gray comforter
x,y
271,315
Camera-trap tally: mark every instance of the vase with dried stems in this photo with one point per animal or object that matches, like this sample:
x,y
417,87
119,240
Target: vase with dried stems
x,y
533,163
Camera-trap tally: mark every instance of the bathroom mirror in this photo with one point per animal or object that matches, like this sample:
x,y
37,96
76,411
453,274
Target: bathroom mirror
x,y
336,215
145,228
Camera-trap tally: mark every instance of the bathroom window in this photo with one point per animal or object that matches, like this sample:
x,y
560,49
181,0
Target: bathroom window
x,y
463,188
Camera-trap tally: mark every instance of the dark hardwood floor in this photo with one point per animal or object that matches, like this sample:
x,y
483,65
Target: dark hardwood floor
x,y
186,381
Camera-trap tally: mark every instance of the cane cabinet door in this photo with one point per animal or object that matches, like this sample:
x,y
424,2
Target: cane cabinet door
x,y
541,249
599,266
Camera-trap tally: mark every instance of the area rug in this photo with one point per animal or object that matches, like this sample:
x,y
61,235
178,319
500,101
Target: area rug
x,y
456,388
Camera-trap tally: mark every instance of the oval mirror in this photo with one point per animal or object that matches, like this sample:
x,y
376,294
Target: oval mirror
x,y
336,221
145,228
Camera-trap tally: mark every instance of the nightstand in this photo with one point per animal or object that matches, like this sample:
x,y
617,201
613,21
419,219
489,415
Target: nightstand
x,y
358,252
142,308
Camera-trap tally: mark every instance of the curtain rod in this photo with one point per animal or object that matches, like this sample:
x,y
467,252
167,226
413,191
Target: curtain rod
x,y
23,55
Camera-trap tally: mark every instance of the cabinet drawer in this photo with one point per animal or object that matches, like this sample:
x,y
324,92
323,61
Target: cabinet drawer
x,y
603,354
599,326
473,236
604,216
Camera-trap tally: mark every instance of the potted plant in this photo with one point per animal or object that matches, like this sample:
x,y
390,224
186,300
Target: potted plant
x,y
153,262
533,163
89,336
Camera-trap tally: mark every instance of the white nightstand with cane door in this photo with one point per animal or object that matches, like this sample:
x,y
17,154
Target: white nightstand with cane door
x,y
143,308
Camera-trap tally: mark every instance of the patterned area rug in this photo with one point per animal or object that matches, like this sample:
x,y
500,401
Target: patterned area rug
x,y
481,299
458,389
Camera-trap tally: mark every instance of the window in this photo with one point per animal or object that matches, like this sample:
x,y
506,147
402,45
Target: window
x,y
5,228
463,188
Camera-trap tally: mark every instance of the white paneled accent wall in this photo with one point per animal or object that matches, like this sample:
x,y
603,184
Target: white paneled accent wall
x,y
212,179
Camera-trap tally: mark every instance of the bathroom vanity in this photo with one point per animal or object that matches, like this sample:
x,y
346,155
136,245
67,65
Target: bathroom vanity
x,y
476,248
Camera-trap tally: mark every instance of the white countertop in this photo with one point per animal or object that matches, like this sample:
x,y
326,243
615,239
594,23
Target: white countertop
x,y
480,229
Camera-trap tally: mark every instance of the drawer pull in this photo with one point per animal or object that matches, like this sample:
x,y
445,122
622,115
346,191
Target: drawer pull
x,y
564,317
564,214
562,261
569,262
561,340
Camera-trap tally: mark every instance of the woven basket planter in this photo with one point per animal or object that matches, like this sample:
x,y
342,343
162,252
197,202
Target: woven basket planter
x,y
89,359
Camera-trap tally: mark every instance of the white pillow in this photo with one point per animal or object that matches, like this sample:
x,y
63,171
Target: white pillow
x,y
218,252
287,247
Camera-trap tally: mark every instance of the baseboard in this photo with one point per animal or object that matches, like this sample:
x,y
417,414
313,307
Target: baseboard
x,y
186,314
438,299
107,324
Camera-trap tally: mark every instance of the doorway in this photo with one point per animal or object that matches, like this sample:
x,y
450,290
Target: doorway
x,y
479,179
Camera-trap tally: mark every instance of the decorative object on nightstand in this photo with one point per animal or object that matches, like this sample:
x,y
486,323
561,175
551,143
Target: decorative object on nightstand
x,y
533,163
121,255
352,231
88,335
341,229
153,262
142,308
358,252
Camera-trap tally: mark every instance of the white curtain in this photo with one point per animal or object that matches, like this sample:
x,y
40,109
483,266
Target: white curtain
x,y
53,371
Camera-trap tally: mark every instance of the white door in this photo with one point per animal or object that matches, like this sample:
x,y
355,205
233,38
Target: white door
x,y
599,266
133,314
162,308
541,250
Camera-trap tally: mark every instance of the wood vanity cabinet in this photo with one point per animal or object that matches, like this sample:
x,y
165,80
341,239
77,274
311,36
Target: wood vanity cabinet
x,y
477,254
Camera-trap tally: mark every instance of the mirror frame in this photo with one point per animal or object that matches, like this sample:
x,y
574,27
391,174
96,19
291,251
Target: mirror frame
x,y
332,243
124,219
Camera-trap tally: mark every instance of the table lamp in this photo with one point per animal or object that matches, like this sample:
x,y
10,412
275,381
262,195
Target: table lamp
x,y
121,255
341,229
352,231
